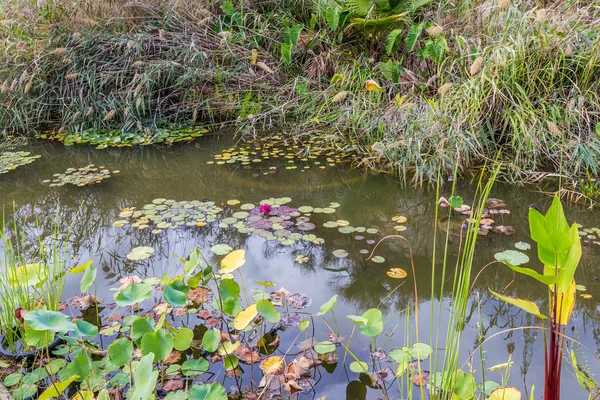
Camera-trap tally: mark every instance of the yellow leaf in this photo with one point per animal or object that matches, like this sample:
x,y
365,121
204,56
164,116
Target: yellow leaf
x,y
57,388
399,100
526,305
264,67
227,348
244,318
274,365
498,367
566,303
254,56
337,78
233,261
505,393
400,219
81,268
373,86
397,273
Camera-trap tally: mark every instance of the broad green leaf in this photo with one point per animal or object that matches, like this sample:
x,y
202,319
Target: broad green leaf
x,y
120,352
27,275
229,288
374,324
332,16
489,386
210,391
194,367
231,306
160,343
391,41
140,253
13,379
24,391
286,53
56,388
545,279
456,201
84,328
176,293
328,306
193,261
183,339
88,278
400,355
80,366
144,380
38,338
141,326
464,386
421,351
230,362
45,320
359,367
357,319
304,325
210,340
512,257
324,347
103,395
133,294
244,318
525,305
412,36
268,311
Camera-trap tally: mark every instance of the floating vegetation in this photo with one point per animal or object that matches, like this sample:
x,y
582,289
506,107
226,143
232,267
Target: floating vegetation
x,y
11,160
397,273
103,138
82,176
315,152
494,209
512,257
140,253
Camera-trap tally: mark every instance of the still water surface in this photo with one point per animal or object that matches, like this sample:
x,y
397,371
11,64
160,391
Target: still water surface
x,y
365,199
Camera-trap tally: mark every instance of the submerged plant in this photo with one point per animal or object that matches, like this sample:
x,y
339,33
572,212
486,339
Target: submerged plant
x,y
559,250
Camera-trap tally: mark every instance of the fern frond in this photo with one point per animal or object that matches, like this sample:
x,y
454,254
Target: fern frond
x,y
360,8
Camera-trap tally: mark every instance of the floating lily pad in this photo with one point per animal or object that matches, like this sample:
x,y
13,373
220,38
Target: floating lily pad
x,y
346,229
378,259
399,219
397,273
305,209
340,253
522,246
400,228
221,249
82,176
140,253
512,256
11,160
372,231
330,224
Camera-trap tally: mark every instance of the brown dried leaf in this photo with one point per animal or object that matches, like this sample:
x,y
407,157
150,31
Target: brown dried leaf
x,y
200,295
172,385
173,357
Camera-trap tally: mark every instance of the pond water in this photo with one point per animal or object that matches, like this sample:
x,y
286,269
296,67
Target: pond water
x,y
188,172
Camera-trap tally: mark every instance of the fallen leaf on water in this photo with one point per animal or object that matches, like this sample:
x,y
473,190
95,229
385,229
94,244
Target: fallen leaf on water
x,y
173,357
397,273
83,301
171,385
274,365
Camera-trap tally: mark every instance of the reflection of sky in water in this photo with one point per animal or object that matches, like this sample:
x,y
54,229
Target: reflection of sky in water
x,y
366,200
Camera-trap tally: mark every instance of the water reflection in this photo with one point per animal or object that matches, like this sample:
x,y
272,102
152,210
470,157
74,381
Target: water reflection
x,y
365,200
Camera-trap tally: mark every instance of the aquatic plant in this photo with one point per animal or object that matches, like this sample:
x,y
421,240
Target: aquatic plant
x,y
559,250
11,160
82,176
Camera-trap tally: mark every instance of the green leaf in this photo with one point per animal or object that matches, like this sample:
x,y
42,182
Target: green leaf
x,y
13,379
464,386
160,343
38,338
324,347
374,324
230,362
332,16
421,351
27,275
512,257
416,4
357,319
391,41
88,278
411,38
400,355
183,339
144,379
120,352
45,320
176,293
328,306
24,391
525,305
140,253
56,389
229,288
141,326
286,53
489,386
359,367
194,367
360,8
133,294
267,310
80,366
545,279
212,391
193,261
522,246
292,35
210,340
455,201
84,328
232,306
304,325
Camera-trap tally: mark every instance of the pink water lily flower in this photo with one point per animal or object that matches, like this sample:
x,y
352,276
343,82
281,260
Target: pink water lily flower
x,y
265,208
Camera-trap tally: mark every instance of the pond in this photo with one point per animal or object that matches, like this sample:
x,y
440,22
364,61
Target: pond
x,y
100,221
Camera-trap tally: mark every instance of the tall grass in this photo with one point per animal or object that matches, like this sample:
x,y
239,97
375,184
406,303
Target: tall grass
x,y
48,259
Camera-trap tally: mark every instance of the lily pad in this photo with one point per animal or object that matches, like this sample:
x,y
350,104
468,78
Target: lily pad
x,y
378,259
221,249
512,256
82,176
522,246
140,253
340,253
